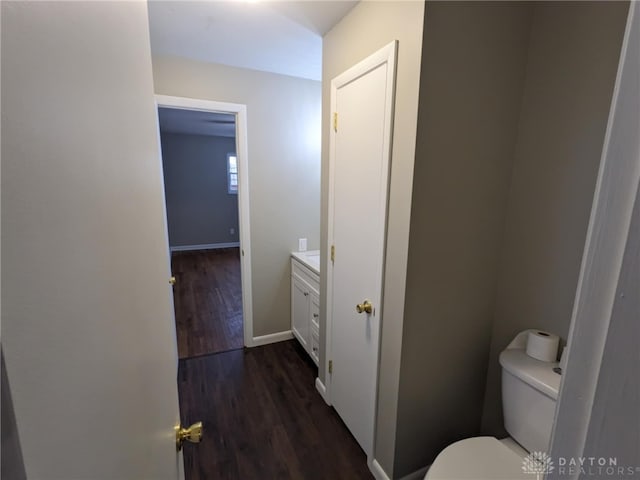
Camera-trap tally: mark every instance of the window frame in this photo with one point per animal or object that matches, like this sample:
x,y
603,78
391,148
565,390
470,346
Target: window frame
x,y
231,189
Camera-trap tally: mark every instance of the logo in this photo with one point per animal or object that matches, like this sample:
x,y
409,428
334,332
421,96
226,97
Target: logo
x,y
537,463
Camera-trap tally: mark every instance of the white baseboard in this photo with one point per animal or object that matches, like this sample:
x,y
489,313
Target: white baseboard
x,y
204,246
417,475
322,390
272,338
377,471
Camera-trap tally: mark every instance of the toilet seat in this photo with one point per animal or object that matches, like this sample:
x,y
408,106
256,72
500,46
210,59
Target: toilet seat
x,y
478,458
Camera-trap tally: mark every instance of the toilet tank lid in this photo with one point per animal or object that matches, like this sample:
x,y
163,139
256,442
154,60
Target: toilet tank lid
x,y
539,375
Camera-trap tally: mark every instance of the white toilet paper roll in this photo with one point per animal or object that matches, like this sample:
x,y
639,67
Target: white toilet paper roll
x,y
542,345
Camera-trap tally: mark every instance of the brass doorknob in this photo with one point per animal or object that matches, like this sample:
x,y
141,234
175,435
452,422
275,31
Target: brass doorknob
x,y
364,307
172,281
193,434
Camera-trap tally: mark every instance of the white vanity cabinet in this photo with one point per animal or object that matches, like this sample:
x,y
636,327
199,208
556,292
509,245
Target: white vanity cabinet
x,y
305,302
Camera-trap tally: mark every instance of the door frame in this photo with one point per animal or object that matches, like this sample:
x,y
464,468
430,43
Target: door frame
x,y
240,112
388,55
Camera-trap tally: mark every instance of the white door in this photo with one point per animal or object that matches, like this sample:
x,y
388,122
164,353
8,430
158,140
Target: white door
x,y
87,320
362,102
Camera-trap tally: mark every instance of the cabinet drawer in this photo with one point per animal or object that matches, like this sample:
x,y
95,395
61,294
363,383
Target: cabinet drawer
x,y
308,275
315,313
315,347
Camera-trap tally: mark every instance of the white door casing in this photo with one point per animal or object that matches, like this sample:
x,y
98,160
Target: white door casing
x,y
359,161
240,112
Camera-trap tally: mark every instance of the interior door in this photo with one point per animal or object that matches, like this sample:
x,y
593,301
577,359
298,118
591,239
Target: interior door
x,y
87,321
362,99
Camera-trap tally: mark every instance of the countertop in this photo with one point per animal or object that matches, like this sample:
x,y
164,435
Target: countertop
x,y
310,259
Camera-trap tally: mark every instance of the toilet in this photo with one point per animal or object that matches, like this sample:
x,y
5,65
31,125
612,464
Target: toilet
x,y
529,394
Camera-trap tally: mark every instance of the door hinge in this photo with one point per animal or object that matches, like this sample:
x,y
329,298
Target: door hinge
x,y
335,121
333,253
330,366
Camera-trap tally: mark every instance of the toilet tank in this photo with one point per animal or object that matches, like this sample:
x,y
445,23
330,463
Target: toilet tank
x,y
529,395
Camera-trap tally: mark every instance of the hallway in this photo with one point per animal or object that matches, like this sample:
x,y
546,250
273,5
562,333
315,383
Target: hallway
x,y
263,418
208,301
262,415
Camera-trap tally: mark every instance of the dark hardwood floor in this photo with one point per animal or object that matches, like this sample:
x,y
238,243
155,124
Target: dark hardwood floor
x,y
208,301
263,418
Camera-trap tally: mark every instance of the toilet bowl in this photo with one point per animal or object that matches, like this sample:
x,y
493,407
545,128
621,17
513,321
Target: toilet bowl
x,y
529,394
478,458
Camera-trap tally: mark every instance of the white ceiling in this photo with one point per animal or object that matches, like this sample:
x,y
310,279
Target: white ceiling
x,y
271,35
174,120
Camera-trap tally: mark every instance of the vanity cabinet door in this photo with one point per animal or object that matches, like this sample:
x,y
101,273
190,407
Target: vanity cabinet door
x,y
300,310
314,303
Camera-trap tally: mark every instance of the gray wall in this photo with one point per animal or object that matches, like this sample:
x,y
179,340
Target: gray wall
x,y
364,30
200,210
573,57
473,67
283,128
514,99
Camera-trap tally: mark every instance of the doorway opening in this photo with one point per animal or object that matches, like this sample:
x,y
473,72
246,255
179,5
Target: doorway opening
x,y
206,207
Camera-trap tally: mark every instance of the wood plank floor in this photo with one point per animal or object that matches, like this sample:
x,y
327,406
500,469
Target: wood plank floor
x,y
208,301
263,418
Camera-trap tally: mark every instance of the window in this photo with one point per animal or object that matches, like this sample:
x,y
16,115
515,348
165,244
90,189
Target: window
x,y
232,173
